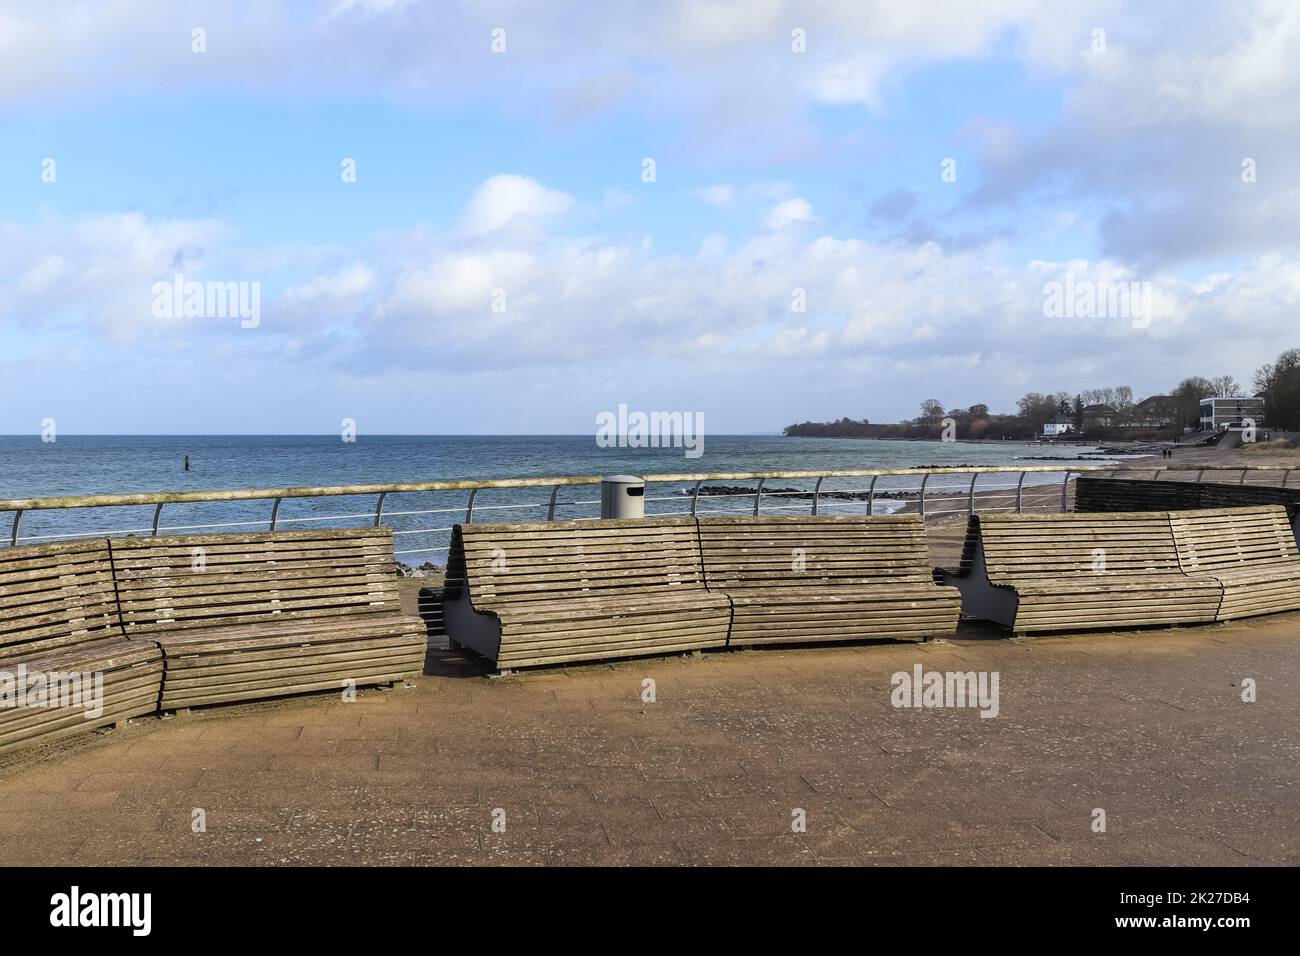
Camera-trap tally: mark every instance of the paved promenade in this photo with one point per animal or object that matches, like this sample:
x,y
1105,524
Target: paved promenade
x,y
1148,727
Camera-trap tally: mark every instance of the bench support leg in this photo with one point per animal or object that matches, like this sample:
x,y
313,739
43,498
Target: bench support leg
x,y
504,672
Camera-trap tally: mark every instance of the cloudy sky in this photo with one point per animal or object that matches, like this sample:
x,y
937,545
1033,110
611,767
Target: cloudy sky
x,y
506,260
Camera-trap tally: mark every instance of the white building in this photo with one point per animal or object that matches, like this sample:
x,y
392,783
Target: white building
x,y
1057,428
1219,413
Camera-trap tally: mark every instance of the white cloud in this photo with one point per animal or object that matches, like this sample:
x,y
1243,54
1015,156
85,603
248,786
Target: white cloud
x,y
720,195
98,273
906,313
789,213
504,197
348,283
856,80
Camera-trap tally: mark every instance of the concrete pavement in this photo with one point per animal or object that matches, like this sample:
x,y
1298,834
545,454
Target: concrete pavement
x,y
1149,727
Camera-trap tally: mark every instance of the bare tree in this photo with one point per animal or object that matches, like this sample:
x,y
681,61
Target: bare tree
x,y
932,411
1122,402
1036,410
1279,383
1224,386
1187,397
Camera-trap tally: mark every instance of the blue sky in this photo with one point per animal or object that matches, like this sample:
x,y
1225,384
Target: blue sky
x,y
517,177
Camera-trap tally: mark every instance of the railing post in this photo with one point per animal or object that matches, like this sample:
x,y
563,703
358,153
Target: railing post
x,y
758,496
13,535
1199,475
550,509
1020,494
157,515
925,479
1286,476
379,508
871,496
469,511
1156,476
1065,490
1243,476
973,478
275,513
817,491
695,496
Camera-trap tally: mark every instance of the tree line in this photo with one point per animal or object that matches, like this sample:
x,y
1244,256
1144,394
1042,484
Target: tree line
x,y
1106,412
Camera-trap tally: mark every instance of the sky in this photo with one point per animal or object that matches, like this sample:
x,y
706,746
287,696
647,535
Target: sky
x,y
508,217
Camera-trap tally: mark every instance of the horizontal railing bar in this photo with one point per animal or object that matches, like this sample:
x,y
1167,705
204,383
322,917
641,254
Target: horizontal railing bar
x,y
84,534
368,514
459,510
478,508
213,524
254,494
882,472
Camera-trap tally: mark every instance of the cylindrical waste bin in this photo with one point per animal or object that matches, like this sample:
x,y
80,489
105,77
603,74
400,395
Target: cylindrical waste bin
x,y
622,496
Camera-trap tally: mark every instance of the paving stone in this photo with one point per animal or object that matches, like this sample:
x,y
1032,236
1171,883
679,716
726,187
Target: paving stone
x,y
1147,725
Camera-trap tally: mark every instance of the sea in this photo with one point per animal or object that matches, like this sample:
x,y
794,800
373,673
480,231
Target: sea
x,y
108,464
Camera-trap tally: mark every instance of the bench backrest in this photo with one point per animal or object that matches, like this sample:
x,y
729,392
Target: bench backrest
x,y
193,581
547,560
1019,547
1095,493
56,595
1224,538
822,551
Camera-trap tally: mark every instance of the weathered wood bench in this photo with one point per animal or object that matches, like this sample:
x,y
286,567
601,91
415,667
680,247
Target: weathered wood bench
x,y
1080,571
553,592
1250,552
247,616
59,618
1097,494
822,579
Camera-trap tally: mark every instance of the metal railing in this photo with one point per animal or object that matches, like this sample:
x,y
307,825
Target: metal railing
x,y
936,493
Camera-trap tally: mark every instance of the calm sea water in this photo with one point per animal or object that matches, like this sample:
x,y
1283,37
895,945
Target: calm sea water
x,y
77,465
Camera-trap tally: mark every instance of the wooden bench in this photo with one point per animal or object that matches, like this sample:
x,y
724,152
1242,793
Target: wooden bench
x,y
1080,571
247,616
1250,552
821,579
58,614
552,592
1095,493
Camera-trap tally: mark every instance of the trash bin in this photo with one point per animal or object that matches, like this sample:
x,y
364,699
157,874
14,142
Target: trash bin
x,y
622,496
